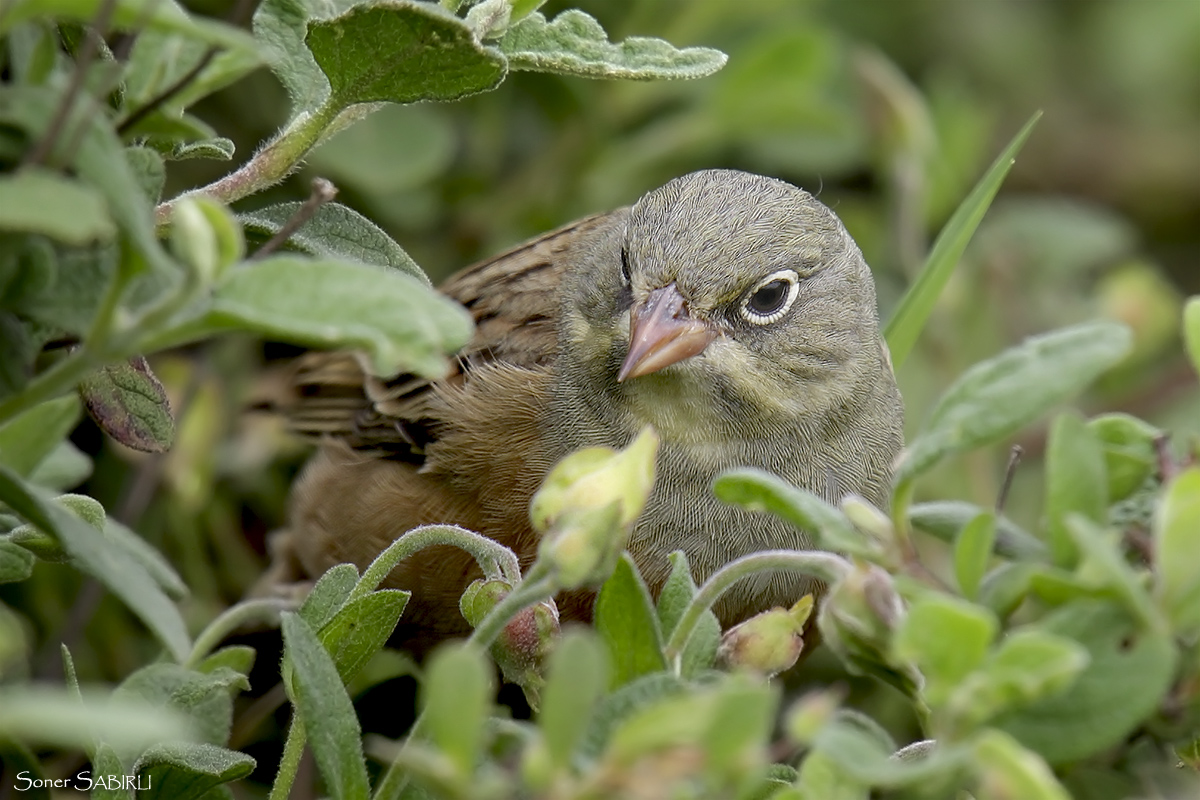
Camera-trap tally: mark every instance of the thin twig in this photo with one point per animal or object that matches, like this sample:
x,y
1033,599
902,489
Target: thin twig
x,y
166,94
87,52
322,192
1014,458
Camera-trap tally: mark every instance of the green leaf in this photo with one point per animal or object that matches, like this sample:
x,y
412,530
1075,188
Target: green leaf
x,y
280,27
575,44
1130,456
743,717
1191,330
1128,674
626,621
399,321
204,697
903,329
676,595
334,231
129,404
97,156
160,60
1104,565
328,595
360,628
1009,770
616,706
144,553
456,696
115,568
577,678
28,439
218,149
188,771
758,490
1075,483
972,551
135,15
64,468
54,716
108,772
998,397
148,170
946,518
946,639
1029,664
1176,543
40,201
401,52
237,657
1006,587
16,563
325,708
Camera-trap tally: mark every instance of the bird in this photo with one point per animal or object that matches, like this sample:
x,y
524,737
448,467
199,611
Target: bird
x,y
731,311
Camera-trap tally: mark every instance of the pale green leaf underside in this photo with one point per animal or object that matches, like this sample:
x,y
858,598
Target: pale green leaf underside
x,y
575,44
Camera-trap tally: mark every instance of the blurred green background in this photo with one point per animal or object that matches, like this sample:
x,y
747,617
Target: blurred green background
x,y
888,110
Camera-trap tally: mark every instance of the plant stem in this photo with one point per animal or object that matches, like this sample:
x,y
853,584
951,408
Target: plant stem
x,y
263,610
538,584
57,380
269,165
289,762
826,566
496,560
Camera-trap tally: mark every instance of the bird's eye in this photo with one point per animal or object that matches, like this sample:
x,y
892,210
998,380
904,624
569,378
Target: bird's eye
x,y
624,266
772,297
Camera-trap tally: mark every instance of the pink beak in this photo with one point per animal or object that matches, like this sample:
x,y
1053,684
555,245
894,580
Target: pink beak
x,y
661,333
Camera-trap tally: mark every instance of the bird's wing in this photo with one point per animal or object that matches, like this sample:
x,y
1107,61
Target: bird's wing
x,y
514,300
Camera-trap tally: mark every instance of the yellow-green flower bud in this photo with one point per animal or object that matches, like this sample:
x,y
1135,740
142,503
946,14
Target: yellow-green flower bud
x,y
583,547
205,236
767,643
596,477
860,614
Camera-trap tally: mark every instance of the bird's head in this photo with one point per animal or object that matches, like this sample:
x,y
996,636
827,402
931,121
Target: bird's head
x,y
725,303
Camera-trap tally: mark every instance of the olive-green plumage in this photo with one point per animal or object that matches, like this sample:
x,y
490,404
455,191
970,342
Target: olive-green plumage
x,y
759,346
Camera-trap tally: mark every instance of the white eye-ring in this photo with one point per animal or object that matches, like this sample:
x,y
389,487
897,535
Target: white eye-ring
x,y
772,297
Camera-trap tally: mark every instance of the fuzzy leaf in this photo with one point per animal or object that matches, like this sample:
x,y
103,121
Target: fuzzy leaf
x,y
1191,330
218,149
401,52
577,680
113,567
360,628
188,771
626,621
456,697
1076,483
130,405
574,43
998,397
329,718
972,551
1127,676
43,202
757,490
676,595
1176,543
28,439
335,231
399,321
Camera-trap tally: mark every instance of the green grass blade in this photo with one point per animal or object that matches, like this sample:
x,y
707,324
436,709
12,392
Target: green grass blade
x,y
915,307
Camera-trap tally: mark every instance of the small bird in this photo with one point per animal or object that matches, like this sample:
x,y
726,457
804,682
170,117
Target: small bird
x,y
731,311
